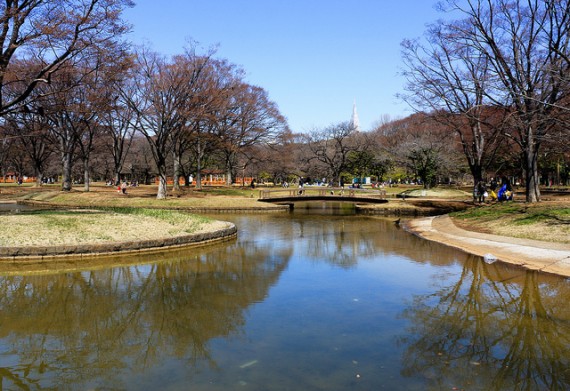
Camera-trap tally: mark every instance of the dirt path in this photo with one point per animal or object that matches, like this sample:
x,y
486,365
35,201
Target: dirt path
x,y
531,254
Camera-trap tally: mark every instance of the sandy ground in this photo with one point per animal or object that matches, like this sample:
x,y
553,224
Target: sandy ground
x,y
531,254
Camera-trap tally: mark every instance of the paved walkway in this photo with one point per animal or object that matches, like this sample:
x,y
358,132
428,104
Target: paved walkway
x,y
531,254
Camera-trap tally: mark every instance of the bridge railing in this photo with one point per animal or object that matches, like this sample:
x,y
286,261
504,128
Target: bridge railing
x,y
322,192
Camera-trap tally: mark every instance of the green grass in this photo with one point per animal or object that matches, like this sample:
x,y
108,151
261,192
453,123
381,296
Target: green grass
x,y
548,215
518,214
68,224
170,216
489,212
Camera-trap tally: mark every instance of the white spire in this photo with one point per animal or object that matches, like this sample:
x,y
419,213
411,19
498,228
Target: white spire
x,y
355,124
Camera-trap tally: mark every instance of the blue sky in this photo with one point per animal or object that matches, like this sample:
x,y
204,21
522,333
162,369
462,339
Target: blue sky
x,y
313,57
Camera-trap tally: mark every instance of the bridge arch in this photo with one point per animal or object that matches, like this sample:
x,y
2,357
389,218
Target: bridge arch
x,y
288,196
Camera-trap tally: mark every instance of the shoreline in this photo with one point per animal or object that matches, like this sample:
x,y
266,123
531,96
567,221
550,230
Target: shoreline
x,y
547,257
34,254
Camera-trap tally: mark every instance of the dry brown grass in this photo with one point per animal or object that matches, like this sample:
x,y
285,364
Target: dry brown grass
x,y
88,227
506,224
143,196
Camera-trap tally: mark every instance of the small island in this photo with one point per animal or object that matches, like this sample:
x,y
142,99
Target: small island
x,y
90,232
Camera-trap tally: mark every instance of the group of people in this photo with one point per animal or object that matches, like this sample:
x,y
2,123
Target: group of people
x,y
494,192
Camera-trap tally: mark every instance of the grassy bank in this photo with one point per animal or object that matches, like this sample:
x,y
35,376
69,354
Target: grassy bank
x,y
548,221
60,227
142,197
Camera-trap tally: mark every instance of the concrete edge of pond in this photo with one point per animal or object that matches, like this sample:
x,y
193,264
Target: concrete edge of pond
x,y
547,257
53,253
192,209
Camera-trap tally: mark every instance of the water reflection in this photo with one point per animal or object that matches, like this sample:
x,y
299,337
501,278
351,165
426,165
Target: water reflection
x,y
80,328
296,302
345,241
331,208
12,207
490,331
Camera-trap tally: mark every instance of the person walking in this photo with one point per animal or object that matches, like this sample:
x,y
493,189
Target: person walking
x,y
481,191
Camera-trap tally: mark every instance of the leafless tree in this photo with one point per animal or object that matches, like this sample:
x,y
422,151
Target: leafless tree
x,y
450,79
112,118
160,96
153,99
30,131
332,146
424,149
278,158
204,75
525,45
62,104
117,120
51,32
250,118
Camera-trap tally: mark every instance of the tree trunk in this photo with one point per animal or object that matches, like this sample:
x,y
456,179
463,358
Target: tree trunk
x,y
86,178
229,175
39,178
66,172
230,160
477,172
199,165
531,174
117,172
176,174
161,183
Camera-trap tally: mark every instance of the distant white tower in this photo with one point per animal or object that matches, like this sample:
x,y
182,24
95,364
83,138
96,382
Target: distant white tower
x,y
355,124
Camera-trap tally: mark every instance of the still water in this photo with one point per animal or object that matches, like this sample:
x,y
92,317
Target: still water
x,y
297,302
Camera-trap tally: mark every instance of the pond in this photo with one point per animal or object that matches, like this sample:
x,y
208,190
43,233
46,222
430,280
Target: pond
x,y
13,207
299,301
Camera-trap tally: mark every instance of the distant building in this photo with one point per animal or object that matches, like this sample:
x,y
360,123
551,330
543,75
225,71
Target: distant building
x,y
354,122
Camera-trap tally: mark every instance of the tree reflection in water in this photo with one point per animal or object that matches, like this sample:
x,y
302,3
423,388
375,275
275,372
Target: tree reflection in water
x,y
499,331
84,329
335,297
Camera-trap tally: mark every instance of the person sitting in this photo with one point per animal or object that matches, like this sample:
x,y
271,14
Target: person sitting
x,y
506,191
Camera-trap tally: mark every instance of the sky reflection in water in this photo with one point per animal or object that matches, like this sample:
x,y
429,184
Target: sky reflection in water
x,y
297,302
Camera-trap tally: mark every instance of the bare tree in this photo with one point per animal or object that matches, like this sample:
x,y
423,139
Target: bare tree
x,y
202,72
213,113
332,146
50,32
160,96
250,118
6,141
451,79
117,120
61,103
96,95
526,46
30,131
420,144
154,101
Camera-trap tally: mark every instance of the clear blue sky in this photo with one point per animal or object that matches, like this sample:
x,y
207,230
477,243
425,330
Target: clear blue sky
x,y
313,57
